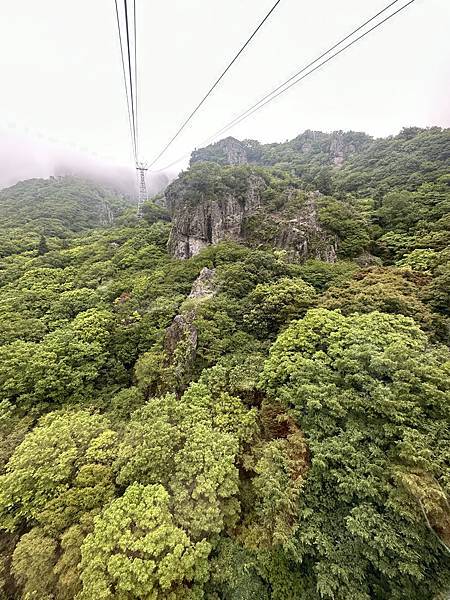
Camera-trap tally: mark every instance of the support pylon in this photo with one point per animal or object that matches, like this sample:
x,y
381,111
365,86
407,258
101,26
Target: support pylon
x,y
141,168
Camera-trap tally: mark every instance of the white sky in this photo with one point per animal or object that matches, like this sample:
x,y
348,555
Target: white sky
x,y
61,75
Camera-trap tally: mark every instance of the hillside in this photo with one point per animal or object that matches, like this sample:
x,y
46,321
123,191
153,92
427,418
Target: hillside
x,y
243,395
54,208
318,196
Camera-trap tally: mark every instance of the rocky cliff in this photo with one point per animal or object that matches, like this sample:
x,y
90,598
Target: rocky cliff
x,y
199,222
331,149
209,205
270,195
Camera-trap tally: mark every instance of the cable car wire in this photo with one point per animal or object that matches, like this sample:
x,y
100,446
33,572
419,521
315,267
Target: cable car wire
x,y
306,67
272,95
215,84
293,83
136,78
130,75
125,84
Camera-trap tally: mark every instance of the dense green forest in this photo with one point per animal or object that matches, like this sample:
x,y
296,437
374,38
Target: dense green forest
x,y
246,424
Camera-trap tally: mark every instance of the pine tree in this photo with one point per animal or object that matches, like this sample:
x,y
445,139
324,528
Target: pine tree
x,y
42,248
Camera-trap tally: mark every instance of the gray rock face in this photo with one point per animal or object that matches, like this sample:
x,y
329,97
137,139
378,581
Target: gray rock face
x,y
229,218
228,151
303,236
339,149
211,220
181,329
203,287
181,337
234,151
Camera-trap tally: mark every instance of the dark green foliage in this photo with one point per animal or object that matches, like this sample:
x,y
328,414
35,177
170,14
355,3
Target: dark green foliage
x,y
340,378
153,211
58,205
403,162
42,248
271,306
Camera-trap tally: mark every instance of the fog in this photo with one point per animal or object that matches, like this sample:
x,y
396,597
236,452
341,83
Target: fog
x,y
61,74
25,157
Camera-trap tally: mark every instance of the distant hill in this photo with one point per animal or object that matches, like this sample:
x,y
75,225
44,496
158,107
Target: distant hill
x,y
54,208
320,195
345,161
59,205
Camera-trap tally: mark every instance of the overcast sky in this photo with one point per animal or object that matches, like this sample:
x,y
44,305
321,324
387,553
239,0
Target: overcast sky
x,y
61,80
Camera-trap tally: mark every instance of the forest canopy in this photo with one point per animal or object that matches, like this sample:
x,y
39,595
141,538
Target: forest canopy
x,y
243,424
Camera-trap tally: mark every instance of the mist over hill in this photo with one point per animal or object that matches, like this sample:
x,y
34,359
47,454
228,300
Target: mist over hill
x,y
25,157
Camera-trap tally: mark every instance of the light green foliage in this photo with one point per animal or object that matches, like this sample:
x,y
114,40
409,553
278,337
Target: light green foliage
x,y
65,449
66,363
422,260
396,291
136,551
205,484
190,446
341,378
146,452
272,305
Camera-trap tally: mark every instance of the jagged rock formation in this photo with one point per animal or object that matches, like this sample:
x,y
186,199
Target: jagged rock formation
x,y
228,151
203,287
242,214
336,147
212,219
180,341
304,237
331,149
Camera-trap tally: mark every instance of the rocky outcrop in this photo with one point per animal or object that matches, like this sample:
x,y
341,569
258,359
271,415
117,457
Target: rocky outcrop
x,y
323,149
228,151
304,237
204,287
213,219
242,214
181,338
181,330
336,147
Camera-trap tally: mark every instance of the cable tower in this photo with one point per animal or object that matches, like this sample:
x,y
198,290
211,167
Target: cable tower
x,y
141,168
127,30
